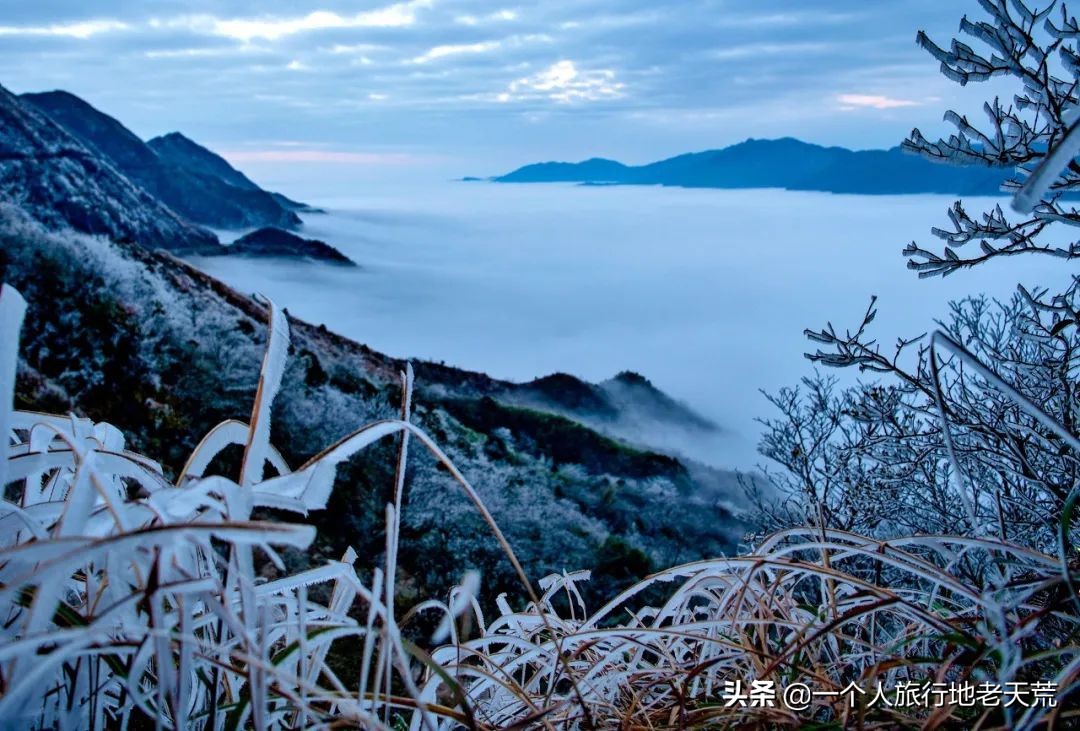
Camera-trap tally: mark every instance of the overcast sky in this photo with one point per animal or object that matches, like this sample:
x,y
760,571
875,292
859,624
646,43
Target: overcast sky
x,y
481,86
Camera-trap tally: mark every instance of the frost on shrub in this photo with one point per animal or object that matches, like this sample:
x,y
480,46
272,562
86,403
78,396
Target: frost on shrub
x,y
874,459
934,443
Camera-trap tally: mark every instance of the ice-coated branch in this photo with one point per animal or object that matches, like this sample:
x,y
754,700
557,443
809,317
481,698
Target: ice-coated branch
x,y
1033,139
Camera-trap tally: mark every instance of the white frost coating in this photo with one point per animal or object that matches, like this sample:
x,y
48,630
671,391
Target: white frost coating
x,y
273,369
461,598
222,436
165,621
145,578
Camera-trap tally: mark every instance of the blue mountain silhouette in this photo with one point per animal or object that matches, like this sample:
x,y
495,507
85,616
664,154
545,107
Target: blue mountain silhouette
x,y
783,163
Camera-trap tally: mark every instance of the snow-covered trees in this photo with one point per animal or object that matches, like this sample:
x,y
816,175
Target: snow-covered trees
x,y
1037,50
874,458
970,430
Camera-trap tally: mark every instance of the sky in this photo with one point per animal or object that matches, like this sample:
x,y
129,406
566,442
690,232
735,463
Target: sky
x,y
482,86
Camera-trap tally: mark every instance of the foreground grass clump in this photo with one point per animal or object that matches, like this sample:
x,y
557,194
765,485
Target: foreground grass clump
x,y
129,599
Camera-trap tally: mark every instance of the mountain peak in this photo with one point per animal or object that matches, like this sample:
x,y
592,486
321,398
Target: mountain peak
x,y
186,153
632,378
62,181
199,196
99,131
58,94
179,140
175,136
595,169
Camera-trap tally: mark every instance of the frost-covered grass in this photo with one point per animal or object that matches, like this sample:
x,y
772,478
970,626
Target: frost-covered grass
x,y
129,598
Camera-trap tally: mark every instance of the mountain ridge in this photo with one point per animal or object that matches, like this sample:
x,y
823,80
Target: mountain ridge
x,y
184,152
786,163
203,194
66,163
53,176
618,407
119,329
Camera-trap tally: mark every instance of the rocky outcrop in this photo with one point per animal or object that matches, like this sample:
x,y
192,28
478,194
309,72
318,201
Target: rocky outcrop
x,y
273,242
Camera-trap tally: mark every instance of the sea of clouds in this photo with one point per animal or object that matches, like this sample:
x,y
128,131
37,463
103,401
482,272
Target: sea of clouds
x,y
705,292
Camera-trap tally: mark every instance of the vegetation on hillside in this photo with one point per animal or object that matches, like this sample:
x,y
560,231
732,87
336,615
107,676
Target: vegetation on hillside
x,y
133,597
165,353
924,537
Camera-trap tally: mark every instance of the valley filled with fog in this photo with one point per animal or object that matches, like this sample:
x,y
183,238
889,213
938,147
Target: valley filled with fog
x,y
704,292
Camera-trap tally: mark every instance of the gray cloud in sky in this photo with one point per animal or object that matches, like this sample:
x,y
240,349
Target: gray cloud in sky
x,y
492,81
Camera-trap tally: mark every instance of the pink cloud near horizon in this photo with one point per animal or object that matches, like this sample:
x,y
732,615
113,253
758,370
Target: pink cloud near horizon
x,y
336,157
876,101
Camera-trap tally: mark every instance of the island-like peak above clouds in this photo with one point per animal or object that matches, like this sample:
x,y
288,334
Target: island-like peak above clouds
x,y
782,163
594,170
274,242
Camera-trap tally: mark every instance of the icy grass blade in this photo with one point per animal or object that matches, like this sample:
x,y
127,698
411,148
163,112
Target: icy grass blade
x,y
222,436
273,369
12,310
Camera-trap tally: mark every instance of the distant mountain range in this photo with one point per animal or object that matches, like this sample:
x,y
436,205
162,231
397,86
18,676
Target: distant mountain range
x,y
68,164
784,163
